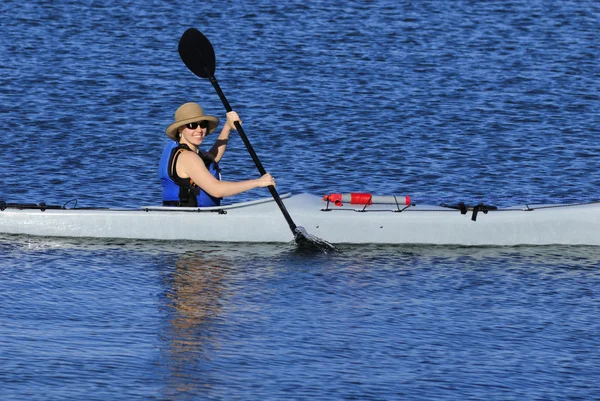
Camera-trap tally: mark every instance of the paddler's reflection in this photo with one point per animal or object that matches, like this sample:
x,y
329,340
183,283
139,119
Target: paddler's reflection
x,y
198,285
196,289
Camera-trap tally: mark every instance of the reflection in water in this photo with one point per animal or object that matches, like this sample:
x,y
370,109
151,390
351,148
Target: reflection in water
x,y
259,320
199,284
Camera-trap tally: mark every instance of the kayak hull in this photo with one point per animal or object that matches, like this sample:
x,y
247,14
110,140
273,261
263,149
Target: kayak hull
x,y
262,221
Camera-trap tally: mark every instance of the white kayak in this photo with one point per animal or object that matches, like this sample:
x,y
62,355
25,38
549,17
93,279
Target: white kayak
x,y
388,222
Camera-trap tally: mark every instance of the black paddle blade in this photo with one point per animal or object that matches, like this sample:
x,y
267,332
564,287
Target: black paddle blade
x,y
197,53
311,242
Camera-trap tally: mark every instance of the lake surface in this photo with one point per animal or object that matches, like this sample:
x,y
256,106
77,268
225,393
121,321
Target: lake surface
x,y
443,101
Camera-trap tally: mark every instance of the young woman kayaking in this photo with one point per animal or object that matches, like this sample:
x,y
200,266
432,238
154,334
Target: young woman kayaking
x,y
191,177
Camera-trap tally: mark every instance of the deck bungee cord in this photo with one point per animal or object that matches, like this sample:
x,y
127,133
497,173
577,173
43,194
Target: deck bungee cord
x,y
42,206
22,206
359,198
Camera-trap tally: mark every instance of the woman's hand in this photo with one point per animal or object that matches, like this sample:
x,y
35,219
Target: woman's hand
x,y
265,181
232,117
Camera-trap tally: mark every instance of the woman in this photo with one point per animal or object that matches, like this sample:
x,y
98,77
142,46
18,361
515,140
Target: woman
x,y
191,177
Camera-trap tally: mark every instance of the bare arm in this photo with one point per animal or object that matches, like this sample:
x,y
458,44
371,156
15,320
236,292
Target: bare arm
x,y
190,165
220,145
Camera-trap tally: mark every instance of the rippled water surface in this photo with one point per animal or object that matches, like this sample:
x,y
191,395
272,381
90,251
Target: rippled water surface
x,y
110,320
441,100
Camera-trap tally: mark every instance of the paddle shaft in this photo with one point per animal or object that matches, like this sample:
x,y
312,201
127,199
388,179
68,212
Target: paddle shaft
x,y
253,154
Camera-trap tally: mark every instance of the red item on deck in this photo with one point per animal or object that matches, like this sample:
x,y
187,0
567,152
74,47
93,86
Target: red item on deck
x,y
360,198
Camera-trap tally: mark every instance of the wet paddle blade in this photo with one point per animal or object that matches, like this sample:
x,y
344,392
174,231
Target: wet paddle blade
x,y
197,53
308,241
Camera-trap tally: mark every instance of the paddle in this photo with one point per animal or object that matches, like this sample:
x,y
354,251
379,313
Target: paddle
x,y
198,54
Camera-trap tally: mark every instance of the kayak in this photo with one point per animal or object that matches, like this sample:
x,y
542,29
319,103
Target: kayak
x,y
334,218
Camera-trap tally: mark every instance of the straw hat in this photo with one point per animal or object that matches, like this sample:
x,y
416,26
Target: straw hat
x,y
190,113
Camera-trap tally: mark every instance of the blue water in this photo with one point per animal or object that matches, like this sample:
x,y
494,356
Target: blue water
x,y
445,101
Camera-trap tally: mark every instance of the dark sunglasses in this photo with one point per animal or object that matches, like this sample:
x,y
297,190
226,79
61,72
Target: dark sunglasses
x,y
202,124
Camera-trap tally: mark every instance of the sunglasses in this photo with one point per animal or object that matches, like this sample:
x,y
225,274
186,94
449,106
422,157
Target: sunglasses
x,y
202,124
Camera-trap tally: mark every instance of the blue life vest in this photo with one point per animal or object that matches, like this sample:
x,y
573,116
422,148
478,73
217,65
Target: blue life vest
x,y
182,191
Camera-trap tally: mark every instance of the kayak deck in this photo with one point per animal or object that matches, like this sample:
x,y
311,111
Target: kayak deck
x,y
262,221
